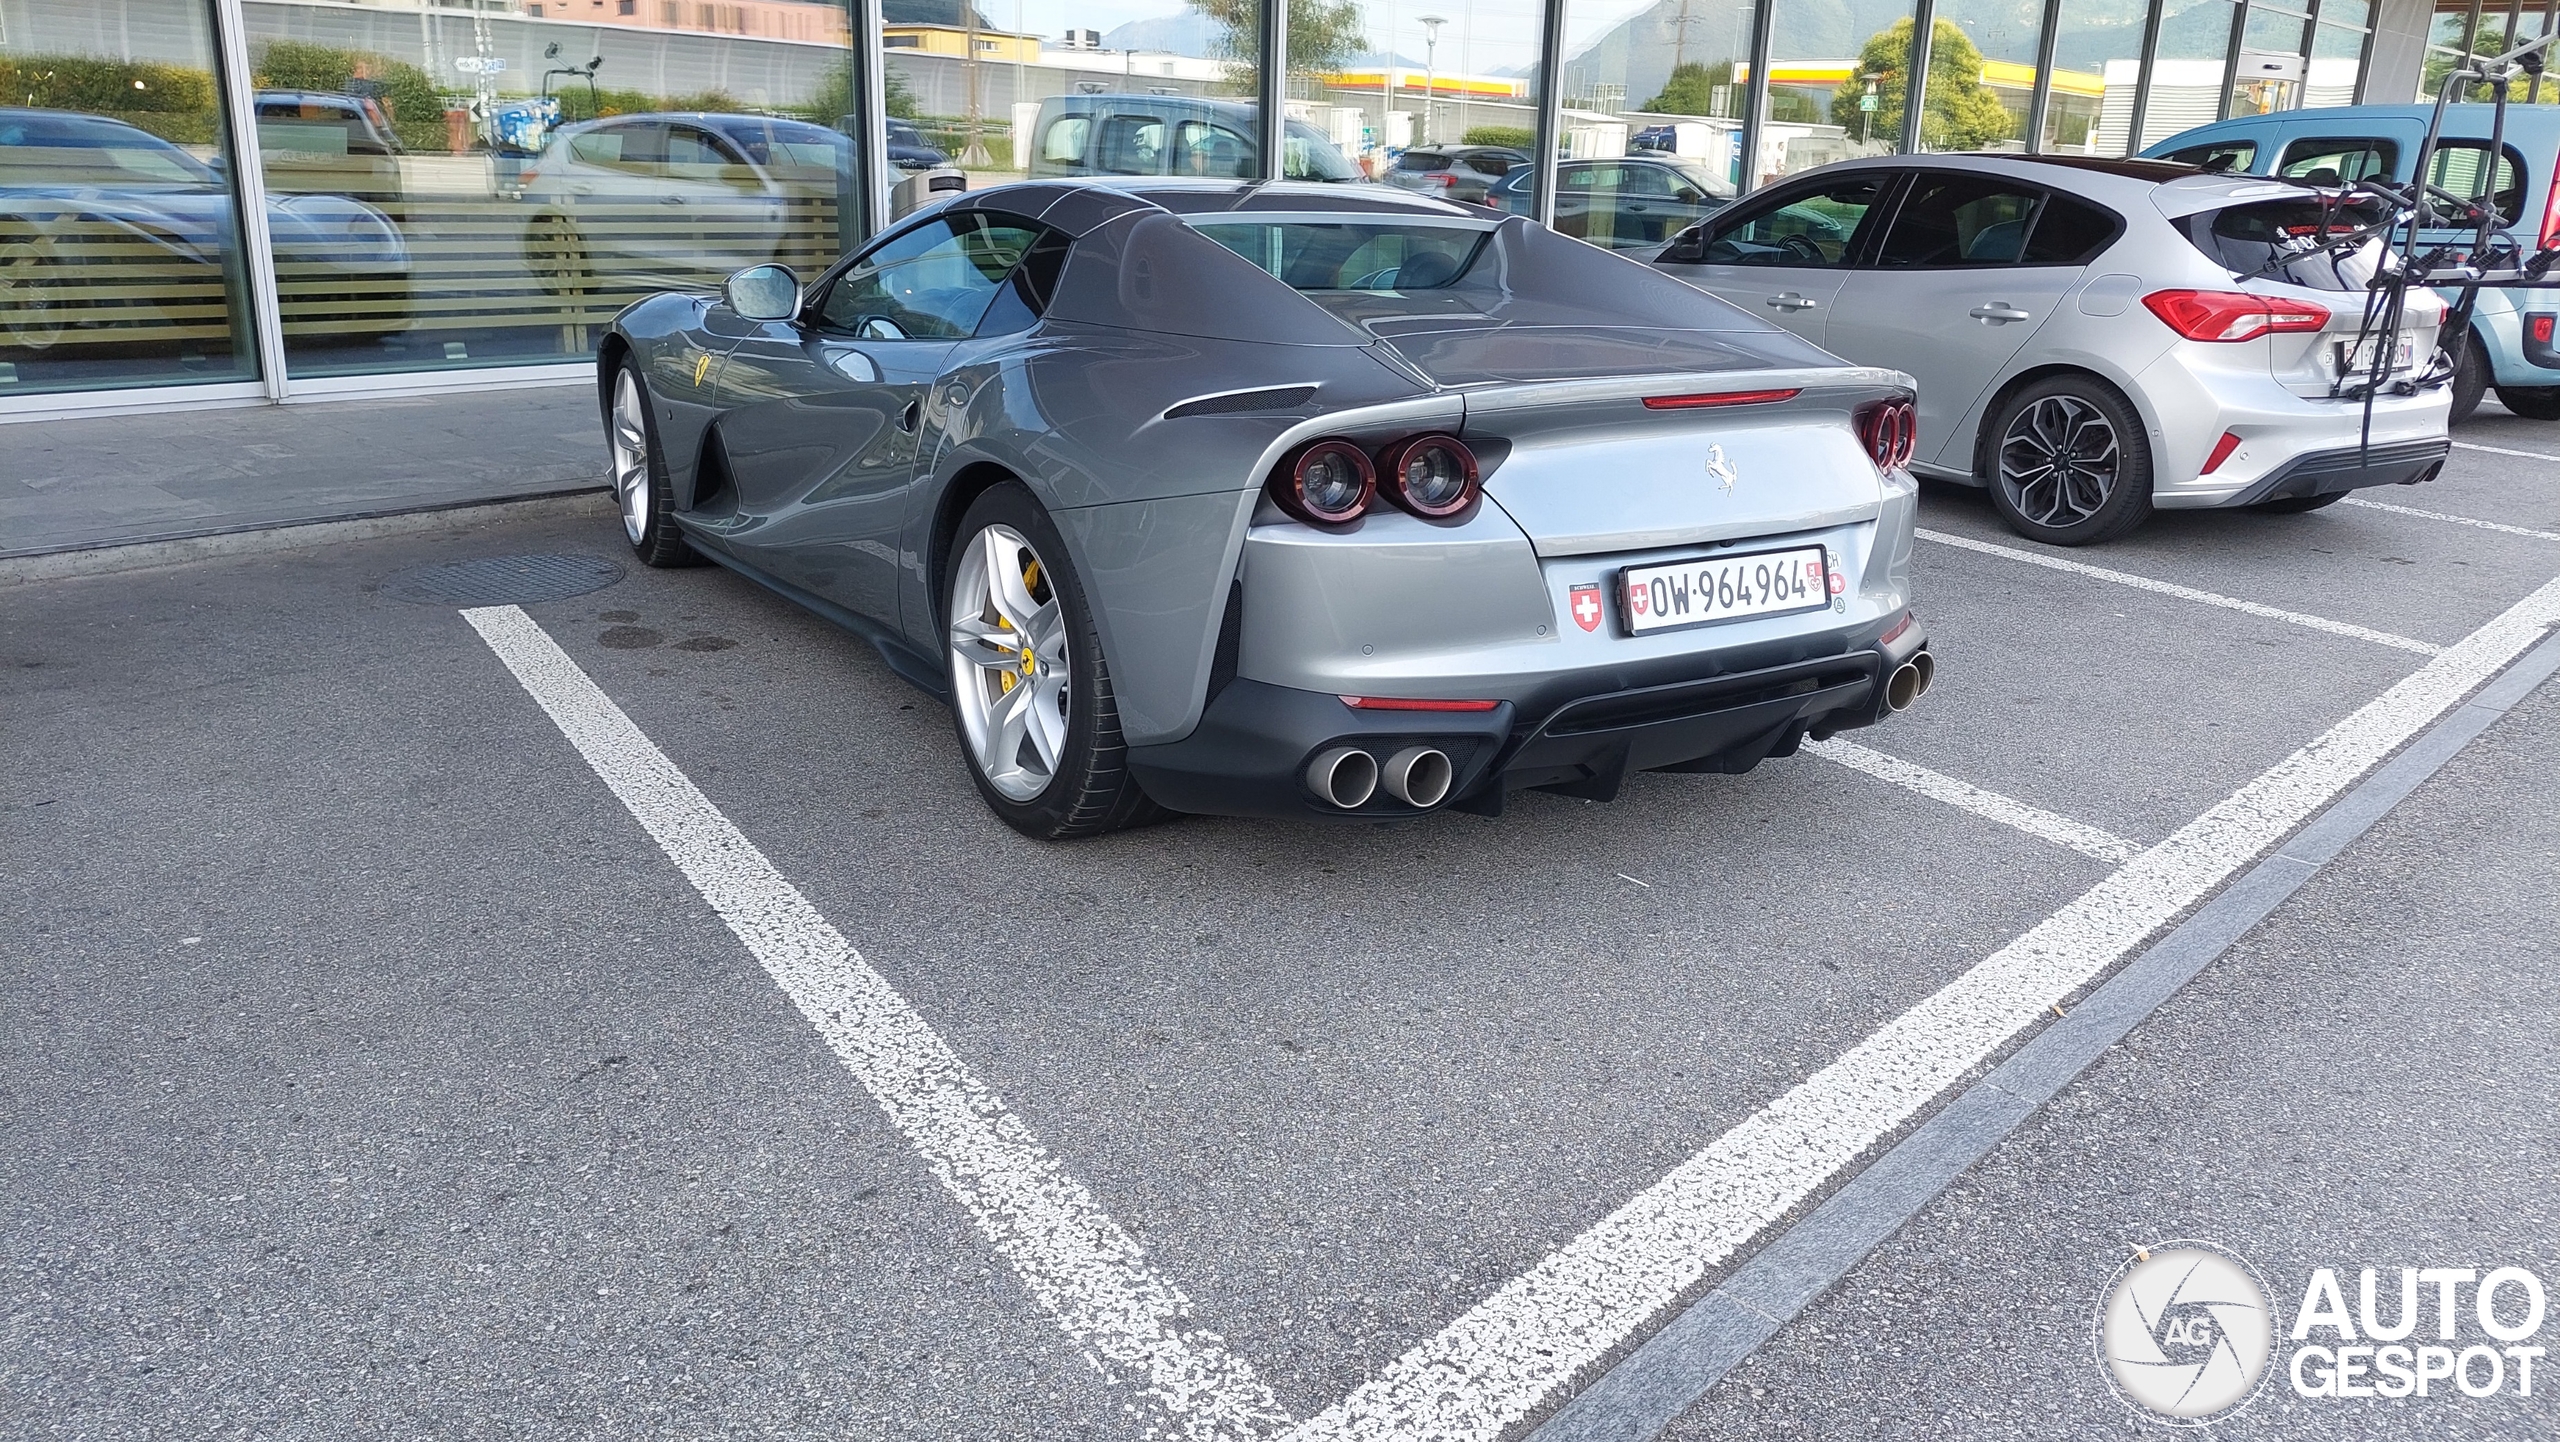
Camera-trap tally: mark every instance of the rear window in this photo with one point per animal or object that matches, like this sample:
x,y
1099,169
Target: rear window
x,y
2456,166
2340,160
1352,254
2225,155
2289,240
1421,160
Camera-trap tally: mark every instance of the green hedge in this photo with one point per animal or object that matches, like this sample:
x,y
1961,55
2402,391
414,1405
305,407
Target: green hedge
x,y
104,87
1516,137
415,104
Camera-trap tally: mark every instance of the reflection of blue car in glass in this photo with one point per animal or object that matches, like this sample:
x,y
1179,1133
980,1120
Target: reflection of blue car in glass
x,y
93,212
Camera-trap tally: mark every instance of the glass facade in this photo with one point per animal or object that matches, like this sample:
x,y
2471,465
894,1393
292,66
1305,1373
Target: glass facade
x,y
122,261
282,196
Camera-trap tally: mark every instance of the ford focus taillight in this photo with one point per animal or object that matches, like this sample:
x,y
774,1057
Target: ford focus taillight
x,y
1889,430
1431,476
1329,483
2233,315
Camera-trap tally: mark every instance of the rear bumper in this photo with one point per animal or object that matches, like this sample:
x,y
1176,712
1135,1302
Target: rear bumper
x,y
2322,473
1249,754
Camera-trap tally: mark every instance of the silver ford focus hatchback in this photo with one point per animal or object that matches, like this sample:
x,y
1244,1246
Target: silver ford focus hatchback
x,y
2096,338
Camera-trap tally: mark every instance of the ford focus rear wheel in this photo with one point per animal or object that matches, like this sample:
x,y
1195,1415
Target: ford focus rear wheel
x,y
1030,693
2069,464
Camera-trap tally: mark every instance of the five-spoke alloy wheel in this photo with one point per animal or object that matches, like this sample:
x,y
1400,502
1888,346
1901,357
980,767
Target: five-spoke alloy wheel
x,y
1011,675
1030,695
641,487
2069,465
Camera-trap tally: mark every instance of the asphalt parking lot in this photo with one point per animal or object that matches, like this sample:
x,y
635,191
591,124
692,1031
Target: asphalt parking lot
x,y
376,1072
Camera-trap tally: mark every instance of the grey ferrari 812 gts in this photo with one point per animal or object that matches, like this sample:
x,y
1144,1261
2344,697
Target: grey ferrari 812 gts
x,y
1287,500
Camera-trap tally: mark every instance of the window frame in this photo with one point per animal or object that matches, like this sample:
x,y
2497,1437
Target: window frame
x,y
1893,182
813,307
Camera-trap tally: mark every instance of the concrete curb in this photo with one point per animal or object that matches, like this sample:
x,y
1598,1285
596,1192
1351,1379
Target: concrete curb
x,y
587,498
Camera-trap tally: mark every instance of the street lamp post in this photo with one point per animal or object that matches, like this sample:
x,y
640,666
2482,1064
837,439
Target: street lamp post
x,y
1430,67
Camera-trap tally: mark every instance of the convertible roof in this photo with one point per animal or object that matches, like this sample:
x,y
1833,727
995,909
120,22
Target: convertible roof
x,y
1079,207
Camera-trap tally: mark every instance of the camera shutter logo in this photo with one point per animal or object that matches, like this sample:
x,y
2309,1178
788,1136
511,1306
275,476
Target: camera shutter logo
x,y
2185,1331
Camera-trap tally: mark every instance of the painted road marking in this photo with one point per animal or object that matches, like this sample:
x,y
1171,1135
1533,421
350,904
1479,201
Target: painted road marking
x,y
2044,825
1091,1275
2504,530
1511,1352
2503,451
2184,593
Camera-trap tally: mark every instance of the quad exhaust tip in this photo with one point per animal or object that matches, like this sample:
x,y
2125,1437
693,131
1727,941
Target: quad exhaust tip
x,y
1419,776
1909,682
1344,775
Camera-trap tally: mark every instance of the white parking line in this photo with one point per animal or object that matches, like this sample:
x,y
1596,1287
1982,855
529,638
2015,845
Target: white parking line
x,y
2044,825
2184,593
2504,530
2503,451
1090,1274
1509,1353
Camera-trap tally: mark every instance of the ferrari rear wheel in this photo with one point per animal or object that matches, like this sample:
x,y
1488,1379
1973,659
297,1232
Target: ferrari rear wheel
x,y
642,489
1030,692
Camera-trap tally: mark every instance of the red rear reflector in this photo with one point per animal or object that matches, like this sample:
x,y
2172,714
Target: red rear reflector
x,y
1889,637
1407,703
2541,329
1719,398
2222,450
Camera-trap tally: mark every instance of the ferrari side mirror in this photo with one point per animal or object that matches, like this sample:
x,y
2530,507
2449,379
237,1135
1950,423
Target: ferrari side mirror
x,y
763,292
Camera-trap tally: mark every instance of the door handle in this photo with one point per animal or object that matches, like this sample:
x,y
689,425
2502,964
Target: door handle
x,y
671,200
907,417
1999,312
1793,301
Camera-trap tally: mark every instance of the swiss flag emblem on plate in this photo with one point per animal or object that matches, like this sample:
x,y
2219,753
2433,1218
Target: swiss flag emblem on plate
x,y
1585,604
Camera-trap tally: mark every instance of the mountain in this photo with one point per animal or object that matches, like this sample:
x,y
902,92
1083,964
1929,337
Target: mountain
x,y
1189,33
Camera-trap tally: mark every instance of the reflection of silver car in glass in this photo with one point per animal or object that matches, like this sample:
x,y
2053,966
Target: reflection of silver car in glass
x,y
1095,135
1626,203
1287,500
670,199
1461,172
2093,338
107,229
322,141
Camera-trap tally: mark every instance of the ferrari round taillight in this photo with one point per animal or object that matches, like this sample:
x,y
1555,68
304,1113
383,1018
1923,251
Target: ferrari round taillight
x,y
1431,476
1328,483
1889,430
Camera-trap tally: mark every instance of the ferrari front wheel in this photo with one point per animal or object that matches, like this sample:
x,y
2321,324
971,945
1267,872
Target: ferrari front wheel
x,y
641,487
1030,693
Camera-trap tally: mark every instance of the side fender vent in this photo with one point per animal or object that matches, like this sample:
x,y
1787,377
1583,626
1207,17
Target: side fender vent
x,y
1276,398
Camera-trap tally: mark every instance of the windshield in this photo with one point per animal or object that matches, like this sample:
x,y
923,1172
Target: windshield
x,y
1699,176
1374,255
1307,155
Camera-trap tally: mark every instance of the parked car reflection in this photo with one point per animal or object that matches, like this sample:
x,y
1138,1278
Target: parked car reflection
x,y
673,199
109,233
1623,204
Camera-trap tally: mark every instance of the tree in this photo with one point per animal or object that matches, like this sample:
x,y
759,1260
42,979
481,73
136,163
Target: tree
x,y
1691,90
1323,36
1960,113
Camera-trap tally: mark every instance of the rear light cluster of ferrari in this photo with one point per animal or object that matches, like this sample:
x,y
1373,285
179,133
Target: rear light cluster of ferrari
x,y
1889,429
2233,315
1336,482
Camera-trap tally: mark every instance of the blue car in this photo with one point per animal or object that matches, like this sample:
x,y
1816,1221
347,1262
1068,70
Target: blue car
x,y
2511,344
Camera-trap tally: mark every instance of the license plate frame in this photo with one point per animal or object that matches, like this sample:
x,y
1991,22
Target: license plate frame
x,y
1624,605
2356,360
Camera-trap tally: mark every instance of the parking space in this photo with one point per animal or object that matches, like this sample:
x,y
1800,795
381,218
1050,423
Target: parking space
x,y
455,1059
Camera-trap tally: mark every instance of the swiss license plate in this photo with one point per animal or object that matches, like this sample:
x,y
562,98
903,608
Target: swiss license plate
x,y
2359,358
1706,589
